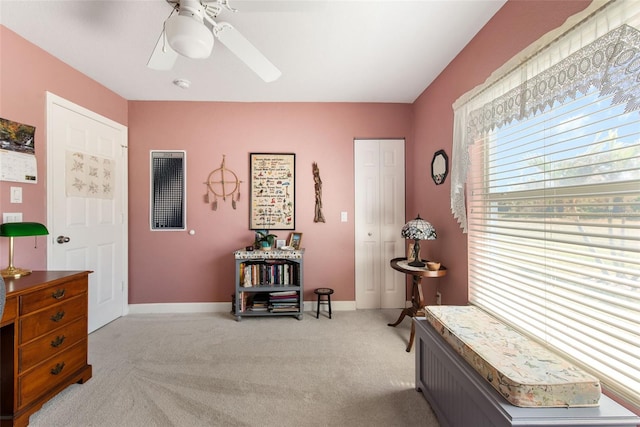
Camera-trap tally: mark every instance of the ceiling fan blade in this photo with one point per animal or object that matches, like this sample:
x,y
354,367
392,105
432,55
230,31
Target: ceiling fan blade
x,y
243,49
163,57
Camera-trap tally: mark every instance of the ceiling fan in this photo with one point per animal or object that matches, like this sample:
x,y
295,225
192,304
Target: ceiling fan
x,y
190,30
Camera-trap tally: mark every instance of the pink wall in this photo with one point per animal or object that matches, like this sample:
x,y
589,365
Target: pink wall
x,y
516,25
176,267
26,74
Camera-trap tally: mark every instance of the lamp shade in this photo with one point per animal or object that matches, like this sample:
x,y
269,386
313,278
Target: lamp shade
x,y
189,36
418,229
23,229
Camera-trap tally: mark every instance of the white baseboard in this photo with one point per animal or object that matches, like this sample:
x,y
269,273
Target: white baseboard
x,y
187,307
220,307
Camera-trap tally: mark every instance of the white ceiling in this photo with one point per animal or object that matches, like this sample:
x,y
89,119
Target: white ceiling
x,y
328,51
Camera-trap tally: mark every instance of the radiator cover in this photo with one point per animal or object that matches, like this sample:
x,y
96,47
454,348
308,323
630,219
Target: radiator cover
x,y
460,397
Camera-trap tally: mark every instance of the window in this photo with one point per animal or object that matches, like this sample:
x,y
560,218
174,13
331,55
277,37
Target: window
x,y
553,186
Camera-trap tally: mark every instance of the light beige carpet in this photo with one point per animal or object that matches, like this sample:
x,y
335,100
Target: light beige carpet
x,y
209,370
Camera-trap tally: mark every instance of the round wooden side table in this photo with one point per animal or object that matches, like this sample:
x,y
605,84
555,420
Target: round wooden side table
x,y
417,298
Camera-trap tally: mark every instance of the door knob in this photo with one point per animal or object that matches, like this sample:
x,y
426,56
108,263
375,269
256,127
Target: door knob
x,y
62,239
370,234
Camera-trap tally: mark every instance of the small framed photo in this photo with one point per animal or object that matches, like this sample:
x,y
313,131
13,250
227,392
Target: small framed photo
x,y
295,240
280,243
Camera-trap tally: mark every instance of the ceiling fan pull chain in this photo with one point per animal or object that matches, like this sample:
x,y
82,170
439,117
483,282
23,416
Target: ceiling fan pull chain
x,y
165,42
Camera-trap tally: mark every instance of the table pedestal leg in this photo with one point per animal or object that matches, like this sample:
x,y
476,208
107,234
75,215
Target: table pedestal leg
x,y
416,309
405,312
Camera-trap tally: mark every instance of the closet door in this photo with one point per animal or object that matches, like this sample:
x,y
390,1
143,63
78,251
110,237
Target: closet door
x,y
379,217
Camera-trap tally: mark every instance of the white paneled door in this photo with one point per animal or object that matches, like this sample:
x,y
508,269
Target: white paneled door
x,y
379,217
87,203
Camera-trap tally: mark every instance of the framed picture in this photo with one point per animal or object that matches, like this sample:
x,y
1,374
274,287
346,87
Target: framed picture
x,y
295,240
168,207
272,203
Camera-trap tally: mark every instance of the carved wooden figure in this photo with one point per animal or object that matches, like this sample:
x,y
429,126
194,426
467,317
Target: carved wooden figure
x,y
319,217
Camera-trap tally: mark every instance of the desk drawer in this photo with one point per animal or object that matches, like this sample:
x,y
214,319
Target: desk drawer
x,y
52,295
59,340
50,373
51,318
10,311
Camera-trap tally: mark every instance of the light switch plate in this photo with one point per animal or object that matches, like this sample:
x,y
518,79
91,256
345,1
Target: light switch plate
x,y
12,217
343,216
16,194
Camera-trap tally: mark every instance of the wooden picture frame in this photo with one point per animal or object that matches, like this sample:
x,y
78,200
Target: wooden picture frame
x,y
272,203
295,241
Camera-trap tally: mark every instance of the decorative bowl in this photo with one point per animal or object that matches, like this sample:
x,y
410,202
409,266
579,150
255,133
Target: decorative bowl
x,y
433,266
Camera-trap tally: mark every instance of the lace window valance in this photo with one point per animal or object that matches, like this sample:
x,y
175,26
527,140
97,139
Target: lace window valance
x,y
600,47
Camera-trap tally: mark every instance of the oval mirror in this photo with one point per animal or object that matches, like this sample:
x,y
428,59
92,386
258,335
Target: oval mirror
x,y
439,167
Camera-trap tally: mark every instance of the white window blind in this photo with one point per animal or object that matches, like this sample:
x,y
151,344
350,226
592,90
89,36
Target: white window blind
x,y
553,214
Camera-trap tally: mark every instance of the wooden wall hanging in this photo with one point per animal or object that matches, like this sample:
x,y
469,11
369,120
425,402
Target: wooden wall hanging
x,y
222,182
319,217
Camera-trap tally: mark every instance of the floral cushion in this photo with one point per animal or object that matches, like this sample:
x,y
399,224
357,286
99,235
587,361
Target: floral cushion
x,y
525,372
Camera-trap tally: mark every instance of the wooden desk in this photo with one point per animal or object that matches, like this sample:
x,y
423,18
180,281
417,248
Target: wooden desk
x,y
417,299
43,341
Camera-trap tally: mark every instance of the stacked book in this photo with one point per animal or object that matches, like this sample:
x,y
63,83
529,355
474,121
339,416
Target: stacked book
x,y
284,302
259,303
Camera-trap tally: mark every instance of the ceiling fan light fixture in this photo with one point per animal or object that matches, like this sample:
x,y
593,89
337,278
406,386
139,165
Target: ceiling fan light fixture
x,y
189,36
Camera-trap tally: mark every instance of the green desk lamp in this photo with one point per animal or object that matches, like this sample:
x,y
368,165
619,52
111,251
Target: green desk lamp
x,y
19,229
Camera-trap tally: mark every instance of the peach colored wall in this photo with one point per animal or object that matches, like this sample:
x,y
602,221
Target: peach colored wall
x,y
26,74
516,25
170,266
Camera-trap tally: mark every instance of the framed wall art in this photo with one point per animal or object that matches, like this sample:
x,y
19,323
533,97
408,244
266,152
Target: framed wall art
x,y
272,203
168,190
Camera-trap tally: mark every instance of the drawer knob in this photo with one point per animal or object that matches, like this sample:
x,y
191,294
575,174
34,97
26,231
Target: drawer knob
x,y
58,294
58,316
58,341
58,368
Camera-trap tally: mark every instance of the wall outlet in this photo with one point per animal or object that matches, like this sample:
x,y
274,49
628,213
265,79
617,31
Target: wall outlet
x,y
12,217
438,298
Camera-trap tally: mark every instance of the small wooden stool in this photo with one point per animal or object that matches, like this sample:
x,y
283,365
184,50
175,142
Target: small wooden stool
x,y
323,292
